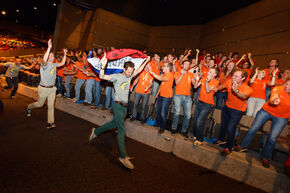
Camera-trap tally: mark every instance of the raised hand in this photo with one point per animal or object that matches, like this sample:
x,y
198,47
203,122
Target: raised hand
x,y
65,51
257,70
197,51
244,56
249,55
104,60
275,71
49,43
235,87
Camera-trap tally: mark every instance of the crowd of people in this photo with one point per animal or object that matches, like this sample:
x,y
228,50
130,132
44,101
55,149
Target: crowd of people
x,y
9,42
227,82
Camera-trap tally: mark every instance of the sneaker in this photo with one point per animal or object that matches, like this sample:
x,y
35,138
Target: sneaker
x,y
74,100
239,148
127,163
93,135
197,143
50,126
265,163
59,95
28,112
219,142
226,152
185,135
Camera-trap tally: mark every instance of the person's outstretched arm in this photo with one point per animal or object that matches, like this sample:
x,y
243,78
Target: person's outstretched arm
x,y
45,57
63,59
102,75
141,67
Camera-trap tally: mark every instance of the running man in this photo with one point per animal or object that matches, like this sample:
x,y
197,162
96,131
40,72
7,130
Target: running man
x,y
121,83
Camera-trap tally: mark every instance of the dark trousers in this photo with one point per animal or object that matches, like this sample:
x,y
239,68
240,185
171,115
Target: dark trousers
x,y
230,121
12,82
162,111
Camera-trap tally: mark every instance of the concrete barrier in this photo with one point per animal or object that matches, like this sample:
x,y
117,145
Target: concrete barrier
x,y
244,167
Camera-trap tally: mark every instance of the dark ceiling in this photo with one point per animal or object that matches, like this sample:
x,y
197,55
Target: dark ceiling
x,y
151,12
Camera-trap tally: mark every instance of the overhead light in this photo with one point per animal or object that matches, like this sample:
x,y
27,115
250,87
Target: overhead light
x,y
17,10
35,8
3,12
54,4
16,21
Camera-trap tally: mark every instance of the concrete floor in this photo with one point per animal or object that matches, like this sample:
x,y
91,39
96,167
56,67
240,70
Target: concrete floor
x,y
34,159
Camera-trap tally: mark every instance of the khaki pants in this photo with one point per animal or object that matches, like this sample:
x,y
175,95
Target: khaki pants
x,y
44,93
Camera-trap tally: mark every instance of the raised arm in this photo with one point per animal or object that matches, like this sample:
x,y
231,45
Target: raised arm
x,y
63,59
251,61
273,80
102,75
255,76
158,77
45,57
186,56
141,67
241,59
29,67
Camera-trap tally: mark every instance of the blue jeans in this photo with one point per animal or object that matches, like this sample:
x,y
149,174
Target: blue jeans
x,y
78,86
186,102
67,85
97,91
197,95
59,85
268,93
221,98
162,111
109,97
90,84
278,125
230,121
137,98
154,88
201,113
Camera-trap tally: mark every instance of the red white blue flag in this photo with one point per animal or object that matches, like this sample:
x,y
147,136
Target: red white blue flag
x,y
117,58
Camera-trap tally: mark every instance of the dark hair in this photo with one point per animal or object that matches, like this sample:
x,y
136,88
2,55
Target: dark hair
x,y
212,59
128,64
185,61
226,68
277,61
16,57
236,53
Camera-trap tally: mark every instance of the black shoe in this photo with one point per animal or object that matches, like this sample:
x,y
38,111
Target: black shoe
x,y
50,126
86,104
28,112
173,132
161,131
265,163
185,135
143,122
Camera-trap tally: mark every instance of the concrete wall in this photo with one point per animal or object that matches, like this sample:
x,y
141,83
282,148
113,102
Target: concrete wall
x,y
262,28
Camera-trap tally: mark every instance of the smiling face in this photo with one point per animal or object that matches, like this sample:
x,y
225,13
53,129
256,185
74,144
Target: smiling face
x,y
261,74
237,77
211,73
185,65
128,72
51,58
287,86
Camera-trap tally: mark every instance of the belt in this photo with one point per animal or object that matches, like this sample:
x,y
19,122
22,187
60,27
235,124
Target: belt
x,y
120,103
46,86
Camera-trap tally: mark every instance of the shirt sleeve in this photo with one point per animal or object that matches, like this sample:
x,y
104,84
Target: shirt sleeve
x,y
113,77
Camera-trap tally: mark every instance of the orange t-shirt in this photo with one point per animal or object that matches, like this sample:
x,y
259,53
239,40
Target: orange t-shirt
x,y
249,75
267,76
154,67
223,79
235,102
89,69
145,78
204,96
166,86
204,70
60,71
80,75
282,109
184,86
178,66
259,89
279,82
69,67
